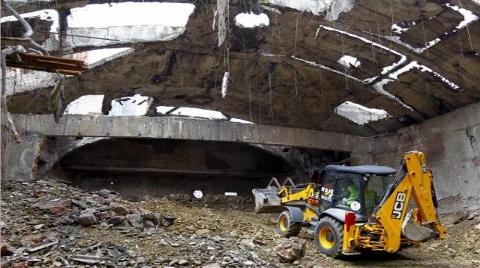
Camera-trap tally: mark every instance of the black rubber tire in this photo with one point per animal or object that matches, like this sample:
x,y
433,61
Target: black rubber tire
x,y
335,229
290,228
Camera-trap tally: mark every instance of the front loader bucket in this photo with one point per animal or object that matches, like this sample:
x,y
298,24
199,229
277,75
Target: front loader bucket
x,y
267,200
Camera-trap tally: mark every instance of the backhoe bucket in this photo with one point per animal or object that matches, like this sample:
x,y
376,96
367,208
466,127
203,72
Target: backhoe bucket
x,y
267,200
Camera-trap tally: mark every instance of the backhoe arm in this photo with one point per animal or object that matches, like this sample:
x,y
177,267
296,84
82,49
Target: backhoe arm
x,y
415,181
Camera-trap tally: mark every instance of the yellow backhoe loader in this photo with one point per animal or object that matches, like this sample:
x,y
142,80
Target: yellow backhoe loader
x,y
355,208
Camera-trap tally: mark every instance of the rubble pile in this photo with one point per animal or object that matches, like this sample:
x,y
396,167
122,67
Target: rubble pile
x,y
51,224
43,221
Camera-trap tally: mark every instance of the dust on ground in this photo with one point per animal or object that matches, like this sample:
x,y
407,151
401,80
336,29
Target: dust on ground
x,y
50,224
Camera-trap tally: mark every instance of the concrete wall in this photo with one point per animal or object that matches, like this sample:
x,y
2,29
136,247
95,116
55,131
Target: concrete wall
x,y
20,160
452,146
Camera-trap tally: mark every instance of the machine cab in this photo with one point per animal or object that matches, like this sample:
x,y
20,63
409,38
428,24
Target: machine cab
x,y
354,188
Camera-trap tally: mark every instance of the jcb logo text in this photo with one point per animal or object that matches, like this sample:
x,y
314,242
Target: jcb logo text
x,y
398,206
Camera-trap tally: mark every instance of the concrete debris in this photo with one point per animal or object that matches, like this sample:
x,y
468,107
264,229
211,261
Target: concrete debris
x,y
291,250
87,218
87,259
33,210
120,209
57,206
212,265
161,232
454,217
43,246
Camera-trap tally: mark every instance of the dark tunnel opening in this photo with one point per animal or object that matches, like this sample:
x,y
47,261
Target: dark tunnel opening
x,y
138,168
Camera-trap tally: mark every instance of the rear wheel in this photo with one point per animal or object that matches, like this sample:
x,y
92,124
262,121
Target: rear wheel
x,y
329,236
286,226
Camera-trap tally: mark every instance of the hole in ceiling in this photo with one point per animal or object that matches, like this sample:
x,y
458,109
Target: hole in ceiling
x,y
134,105
197,113
251,20
359,114
86,105
349,61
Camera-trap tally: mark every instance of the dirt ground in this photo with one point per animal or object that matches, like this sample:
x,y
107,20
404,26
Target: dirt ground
x,y
199,236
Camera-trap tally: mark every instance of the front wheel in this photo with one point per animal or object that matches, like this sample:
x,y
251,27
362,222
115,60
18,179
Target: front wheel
x,y
286,226
329,236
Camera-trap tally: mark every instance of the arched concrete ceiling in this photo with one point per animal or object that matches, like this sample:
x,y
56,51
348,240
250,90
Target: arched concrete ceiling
x,y
287,73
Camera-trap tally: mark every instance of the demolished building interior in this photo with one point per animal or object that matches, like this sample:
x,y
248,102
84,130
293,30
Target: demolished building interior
x,y
181,107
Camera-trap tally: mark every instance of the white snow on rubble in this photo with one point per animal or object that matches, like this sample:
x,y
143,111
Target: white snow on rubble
x,y
251,20
86,105
349,61
332,8
134,105
359,114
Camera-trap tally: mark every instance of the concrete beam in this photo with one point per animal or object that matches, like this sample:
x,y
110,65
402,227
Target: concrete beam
x,y
187,129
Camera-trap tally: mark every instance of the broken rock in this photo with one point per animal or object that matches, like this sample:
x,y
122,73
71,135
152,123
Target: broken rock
x,y
56,206
6,249
120,209
135,220
290,250
454,217
87,218
212,265
116,220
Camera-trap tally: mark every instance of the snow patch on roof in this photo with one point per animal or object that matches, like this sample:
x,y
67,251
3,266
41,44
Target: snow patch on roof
x,y
385,69
315,6
349,61
468,18
86,105
97,57
332,8
359,114
134,105
251,20
163,109
238,120
321,66
410,66
131,14
399,28
197,112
